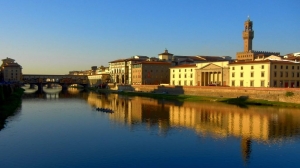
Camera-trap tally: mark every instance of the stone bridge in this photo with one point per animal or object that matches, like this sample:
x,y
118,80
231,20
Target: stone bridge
x,y
63,80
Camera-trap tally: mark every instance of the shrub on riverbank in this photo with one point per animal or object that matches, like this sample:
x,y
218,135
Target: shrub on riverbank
x,y
9,104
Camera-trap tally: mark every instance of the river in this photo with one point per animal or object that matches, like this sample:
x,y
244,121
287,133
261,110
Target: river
x,y
65,130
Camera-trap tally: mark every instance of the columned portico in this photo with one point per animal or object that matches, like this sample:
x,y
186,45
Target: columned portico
x,y
211,77
213,74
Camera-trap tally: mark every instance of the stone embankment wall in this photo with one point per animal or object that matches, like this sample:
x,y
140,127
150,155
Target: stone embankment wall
x,y
271,94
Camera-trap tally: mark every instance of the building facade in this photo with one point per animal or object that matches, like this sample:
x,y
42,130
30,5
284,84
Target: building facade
x,y
151,73
120,70
183,75
201,74
267,73
212,73
10,71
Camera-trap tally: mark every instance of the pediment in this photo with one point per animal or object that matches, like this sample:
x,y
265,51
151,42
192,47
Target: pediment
x,y
210,66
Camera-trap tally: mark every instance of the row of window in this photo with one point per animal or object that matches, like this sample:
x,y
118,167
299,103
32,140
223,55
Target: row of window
x,y
251,84
252,67
157,70
185,70
117,71
245,56
293,74
262,74
184,83
286,67
275,67
184,76
6,70
263,83
149,76
11,74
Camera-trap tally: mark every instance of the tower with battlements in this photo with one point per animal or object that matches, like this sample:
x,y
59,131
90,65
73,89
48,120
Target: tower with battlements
x,y
248,35
248,54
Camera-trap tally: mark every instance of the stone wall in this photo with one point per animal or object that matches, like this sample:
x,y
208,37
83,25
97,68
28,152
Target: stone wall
x,y
271,94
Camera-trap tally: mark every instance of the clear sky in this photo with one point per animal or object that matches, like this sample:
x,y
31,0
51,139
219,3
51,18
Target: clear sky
x,y
58,36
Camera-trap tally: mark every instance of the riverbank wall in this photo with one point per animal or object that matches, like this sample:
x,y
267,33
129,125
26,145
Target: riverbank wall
x,y
289,95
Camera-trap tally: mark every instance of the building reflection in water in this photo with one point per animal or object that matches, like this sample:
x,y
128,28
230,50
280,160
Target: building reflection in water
x,y
262,124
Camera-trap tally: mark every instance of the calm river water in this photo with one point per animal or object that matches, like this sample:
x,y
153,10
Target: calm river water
x,y
66,130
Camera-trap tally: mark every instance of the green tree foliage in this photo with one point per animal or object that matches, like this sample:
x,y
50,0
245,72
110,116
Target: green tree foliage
x,y
289,94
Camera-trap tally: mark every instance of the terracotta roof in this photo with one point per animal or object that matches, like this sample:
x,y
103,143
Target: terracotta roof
x,y
284,62
293,58
187,60
128,59
265,61
153,62
211,58
184,66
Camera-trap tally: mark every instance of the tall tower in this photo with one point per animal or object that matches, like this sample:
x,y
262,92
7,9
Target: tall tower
x,y
248,35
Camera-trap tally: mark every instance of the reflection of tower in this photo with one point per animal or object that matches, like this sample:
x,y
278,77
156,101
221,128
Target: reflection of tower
x,y
246,148
248,35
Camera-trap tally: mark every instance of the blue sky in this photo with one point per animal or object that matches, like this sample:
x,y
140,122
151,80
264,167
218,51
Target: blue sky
x,y
56,36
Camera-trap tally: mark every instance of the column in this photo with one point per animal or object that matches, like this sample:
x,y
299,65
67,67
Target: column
x,y
218,78
204,78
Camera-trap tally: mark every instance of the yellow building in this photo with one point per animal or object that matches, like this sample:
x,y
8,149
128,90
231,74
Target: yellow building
x,y
200,74
183,75
267,73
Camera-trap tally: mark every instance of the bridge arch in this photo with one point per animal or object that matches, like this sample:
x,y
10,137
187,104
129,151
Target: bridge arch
x,y
63,80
